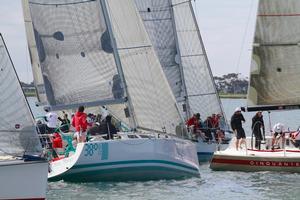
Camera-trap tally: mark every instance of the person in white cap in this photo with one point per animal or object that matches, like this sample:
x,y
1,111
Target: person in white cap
x,y
236,125
277,130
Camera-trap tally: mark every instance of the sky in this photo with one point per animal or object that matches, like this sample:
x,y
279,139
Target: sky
x,y
226,26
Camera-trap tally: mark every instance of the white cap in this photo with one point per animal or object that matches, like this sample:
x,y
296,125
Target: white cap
x,y
238,109
278,128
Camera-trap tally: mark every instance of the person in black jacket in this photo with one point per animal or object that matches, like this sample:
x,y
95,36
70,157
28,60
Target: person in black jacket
x,y
236,125
106,127
257,124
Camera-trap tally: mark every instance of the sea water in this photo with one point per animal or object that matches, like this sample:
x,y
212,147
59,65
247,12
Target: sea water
x,y
211,185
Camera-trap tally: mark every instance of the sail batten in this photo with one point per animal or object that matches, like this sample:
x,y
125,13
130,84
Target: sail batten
x,y
275,62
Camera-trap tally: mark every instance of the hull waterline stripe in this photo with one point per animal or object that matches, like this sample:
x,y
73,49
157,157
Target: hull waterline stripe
x,y
205,153
134,162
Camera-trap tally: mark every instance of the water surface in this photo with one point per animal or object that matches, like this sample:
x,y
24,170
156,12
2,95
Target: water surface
x,y
211,184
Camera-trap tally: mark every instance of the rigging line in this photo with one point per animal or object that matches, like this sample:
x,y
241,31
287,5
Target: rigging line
x,y
177,4
244,36
162,9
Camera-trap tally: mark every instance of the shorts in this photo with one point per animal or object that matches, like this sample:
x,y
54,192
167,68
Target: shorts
x,y
80,134
276,134
240,133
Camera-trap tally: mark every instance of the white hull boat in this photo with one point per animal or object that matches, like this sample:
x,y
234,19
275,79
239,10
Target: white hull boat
x,y
274,57
115,67
133,157
285,159
205,150
23,179
184,61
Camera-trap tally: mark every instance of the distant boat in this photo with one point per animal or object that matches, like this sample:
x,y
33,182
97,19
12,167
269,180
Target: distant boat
x,y
174,33
274,85
23,172
96,53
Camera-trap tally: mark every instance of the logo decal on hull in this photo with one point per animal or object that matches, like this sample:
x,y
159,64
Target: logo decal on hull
x,y
274,163
96,149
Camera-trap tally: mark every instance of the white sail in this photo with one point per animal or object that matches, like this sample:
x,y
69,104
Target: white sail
x,y
201,92
275,63
152,99
81,60
17,130
172,27
75,53
158,21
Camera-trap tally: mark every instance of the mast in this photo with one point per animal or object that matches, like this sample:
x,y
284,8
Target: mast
x,y
118,61
186,100
33,53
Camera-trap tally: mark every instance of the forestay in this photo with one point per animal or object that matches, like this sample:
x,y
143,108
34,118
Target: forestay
x,y
17,130
275,64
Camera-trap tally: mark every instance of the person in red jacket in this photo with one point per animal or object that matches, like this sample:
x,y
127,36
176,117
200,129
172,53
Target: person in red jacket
x,y
194,122
80,124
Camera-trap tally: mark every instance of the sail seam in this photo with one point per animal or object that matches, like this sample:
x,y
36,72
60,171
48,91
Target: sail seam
x,y
279,44
279,15
177,4
137,47
158,10
193,55
204,94
162,19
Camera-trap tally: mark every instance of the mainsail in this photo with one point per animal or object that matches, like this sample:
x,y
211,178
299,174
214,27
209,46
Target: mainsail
x,y
173,30
275,63
17,130
97,52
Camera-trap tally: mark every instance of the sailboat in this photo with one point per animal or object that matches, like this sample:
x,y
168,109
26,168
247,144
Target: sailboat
x,y
23,172
174,33
273,86
97,53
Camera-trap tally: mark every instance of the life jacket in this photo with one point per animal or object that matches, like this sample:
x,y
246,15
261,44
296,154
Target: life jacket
x,y
193,122
295,135
57,141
